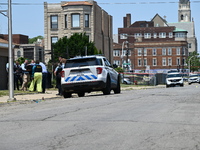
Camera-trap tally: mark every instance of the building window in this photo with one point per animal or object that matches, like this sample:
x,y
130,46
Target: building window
x,y
123,36
116,53
75,20
86,20
169,62
182,17
183,50
139,52
127,52
155,35
162,35
170,34
154,52
145,52
180,35
145,62
164,51
169,51
117,62
139,62
54,22
137,35
18,54
147,35
189,45
54,39
178,51
183,62
164,61
178,61
66,21
154,62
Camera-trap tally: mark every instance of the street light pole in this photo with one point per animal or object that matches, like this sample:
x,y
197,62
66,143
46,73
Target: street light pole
x,y
189,63
122,55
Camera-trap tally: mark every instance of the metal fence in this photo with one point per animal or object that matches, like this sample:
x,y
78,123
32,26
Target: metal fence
x,y
152,79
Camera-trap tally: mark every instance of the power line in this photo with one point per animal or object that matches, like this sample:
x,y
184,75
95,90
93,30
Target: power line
x,y
115,3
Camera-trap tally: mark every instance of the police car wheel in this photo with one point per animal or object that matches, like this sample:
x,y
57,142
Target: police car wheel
x,y
106,90
67,94
81,94
118,89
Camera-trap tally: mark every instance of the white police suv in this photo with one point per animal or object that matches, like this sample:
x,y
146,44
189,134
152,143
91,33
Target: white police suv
x,y
87,74
173,79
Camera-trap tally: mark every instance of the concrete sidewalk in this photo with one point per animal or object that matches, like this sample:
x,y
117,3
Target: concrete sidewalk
x,y
32,96
51,94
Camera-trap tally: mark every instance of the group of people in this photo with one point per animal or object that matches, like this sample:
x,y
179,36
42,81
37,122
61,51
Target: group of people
x,y
34,72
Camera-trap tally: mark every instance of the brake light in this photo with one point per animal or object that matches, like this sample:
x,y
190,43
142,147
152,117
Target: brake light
x,y
99,70
62,73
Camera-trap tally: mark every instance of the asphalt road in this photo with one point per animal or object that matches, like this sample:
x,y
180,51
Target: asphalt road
x,y
151,119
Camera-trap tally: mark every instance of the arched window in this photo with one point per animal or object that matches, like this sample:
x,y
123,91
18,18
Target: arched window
x,y
186,18
18,54
182,17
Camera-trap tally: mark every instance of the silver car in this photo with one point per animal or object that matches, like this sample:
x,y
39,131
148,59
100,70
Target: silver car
x,y
193,78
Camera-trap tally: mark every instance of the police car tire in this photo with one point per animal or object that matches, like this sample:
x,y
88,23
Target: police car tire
x,y
118,89
81,94
107,89
67,94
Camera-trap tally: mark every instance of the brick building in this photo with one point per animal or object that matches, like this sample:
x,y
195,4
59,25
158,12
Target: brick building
x,y
66,18
150,45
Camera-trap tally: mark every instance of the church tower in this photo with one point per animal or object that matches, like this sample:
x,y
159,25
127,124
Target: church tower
x,y
184,11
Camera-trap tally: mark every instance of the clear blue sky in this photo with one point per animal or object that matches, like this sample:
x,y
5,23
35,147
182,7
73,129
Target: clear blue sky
x,y
29,19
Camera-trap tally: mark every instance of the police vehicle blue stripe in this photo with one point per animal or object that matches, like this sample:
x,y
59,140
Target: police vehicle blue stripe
x,y
94,76
73,78
80,78
88,77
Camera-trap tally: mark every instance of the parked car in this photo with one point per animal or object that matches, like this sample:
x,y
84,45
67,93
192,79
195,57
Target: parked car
x,y
173,79
127,81
193,78
87,74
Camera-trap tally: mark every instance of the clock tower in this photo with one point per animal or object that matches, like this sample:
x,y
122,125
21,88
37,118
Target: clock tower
x,y
184,11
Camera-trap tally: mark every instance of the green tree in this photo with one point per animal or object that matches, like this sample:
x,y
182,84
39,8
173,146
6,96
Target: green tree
x,y
21,60
76,45
194,61
34,39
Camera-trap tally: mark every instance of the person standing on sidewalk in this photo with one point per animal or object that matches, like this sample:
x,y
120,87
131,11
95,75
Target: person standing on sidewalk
x,y
25,75
17,74
36,77
44,76
57,73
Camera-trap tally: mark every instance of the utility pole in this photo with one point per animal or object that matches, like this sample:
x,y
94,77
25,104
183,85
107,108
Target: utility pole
x,y
10,53
11,65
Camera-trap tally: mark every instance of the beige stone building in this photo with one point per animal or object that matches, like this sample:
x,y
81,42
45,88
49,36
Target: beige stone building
x,y
66,18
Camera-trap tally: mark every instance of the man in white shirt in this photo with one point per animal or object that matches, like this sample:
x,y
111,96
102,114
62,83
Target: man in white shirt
x,y
44,76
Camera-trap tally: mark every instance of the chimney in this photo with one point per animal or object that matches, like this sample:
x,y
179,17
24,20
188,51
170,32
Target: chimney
x,y
125,22
128,16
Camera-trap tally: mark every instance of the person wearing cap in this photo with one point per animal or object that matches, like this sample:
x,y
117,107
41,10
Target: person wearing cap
x,y
36,77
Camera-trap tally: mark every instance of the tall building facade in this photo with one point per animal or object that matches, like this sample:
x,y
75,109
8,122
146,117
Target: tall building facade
x,y
150,46
186,22
66,18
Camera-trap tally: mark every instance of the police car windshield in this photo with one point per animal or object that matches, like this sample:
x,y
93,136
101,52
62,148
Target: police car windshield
x,y
83,62
173,75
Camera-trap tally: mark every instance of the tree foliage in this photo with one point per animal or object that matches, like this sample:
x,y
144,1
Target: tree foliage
x,y
194,61
76,45
33,40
